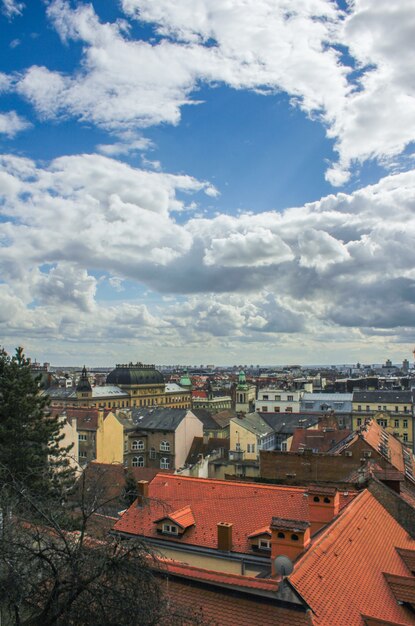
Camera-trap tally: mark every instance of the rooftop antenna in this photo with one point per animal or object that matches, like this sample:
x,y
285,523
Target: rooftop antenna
x,y
283,566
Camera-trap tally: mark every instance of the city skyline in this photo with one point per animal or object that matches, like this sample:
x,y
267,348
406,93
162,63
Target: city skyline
x,y
207,182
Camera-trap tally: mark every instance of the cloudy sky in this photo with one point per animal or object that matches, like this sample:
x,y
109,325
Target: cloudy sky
x,y
207,181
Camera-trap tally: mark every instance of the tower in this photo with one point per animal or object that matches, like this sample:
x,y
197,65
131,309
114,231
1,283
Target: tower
x,y
83,388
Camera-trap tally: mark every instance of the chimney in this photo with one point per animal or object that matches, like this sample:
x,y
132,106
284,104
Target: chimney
x,y
224,536
289,538
324,504
142,492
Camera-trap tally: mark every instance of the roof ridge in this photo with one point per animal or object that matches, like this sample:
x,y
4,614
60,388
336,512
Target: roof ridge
x,y
229,483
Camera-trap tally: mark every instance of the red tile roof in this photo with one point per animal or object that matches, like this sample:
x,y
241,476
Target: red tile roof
x,y
183,517
320,440
227,609
247,506
374,434
342,577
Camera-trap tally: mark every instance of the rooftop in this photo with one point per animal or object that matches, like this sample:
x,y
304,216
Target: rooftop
x,y
247,506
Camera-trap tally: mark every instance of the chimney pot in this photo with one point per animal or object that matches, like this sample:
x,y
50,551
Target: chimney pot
x,y
225,536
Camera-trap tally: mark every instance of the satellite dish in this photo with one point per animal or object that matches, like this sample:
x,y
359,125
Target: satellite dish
x,y
283,565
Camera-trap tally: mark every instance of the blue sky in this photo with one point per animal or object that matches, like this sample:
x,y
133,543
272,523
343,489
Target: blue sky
x,y
197,181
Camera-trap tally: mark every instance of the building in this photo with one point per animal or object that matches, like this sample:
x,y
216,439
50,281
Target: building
x,y
226,526
391,409
340,403
273,400
249,433
245,394
132,385
155,438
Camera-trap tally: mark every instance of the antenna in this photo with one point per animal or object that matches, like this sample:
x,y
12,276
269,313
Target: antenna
x,y
283,566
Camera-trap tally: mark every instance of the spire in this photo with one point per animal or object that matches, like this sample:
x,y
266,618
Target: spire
x,y
83,383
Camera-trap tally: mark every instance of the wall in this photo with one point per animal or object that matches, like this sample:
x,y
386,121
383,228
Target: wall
x,y
110,440
241,435
189,428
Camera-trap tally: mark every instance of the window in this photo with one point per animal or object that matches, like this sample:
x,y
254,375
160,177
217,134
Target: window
x,y
264,544
164,463
359,421
276,409
383,423
359,407
250,447
379,407
238,447
152,453
294,537
169,528
396,423
308,405
405,436
137,445
138,461
265,397
290,398
264,409
284,446
81,437
396,409
82,454
281,535
405,423
278,398
367,408
289,409
405,409
165,446
384,407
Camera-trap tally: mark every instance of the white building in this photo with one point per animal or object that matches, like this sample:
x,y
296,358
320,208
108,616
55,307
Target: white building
x,y
279,400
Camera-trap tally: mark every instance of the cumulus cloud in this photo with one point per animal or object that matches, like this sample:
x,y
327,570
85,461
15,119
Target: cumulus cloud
x,y
364,98
346,261
11,123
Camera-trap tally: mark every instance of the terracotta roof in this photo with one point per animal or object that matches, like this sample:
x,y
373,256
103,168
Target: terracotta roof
x,y
341,575
403,588
182,517
265,530
247,506
372,621
227,609
199,394
389,447
320,440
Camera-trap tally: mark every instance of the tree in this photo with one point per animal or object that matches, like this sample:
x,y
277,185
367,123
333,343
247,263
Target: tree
x,y
130,491
29,439
50,576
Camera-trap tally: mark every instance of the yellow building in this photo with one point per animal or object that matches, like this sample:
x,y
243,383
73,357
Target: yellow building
x,y
132,385
248,434
391,409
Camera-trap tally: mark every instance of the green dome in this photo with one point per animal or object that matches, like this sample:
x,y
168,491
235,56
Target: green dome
x,y
185,380
135,374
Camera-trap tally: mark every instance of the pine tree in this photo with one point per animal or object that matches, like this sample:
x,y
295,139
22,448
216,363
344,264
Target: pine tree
x,y
29,438
130,489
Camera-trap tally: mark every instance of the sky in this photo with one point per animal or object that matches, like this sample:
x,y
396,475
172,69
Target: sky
x,y
207,181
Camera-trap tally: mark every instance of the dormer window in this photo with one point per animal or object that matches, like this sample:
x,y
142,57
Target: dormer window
x,y
264,544
170,529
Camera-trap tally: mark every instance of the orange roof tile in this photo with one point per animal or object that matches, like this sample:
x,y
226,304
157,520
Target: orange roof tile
x,y
265,530
229,609
341,576
247,506
183,517
394,450
372,621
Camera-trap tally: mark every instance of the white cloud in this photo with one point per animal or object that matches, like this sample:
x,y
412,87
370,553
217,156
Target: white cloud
x,y
346,261
12,8
365,99
11,123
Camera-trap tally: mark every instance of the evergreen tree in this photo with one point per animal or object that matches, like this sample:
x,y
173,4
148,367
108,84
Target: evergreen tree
x,y
29,438
130,489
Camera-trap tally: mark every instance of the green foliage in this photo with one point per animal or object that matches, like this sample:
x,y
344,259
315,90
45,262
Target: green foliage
x,y
29,437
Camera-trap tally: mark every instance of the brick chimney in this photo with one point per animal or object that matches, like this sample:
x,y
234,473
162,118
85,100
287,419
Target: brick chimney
x,y
288,537
142,492
224,536
324,504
